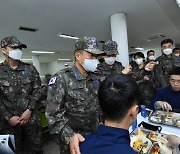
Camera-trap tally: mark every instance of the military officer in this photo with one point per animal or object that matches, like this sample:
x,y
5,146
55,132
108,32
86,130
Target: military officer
x,y
166,62
72,106
20,90
110,65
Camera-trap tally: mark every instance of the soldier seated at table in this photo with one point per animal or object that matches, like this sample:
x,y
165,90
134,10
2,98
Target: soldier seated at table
x,y
120,109
168,98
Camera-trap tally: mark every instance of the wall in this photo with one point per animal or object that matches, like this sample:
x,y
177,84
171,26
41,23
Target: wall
x,y
157,52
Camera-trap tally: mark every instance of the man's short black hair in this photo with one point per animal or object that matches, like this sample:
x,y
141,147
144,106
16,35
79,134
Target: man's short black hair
x,y
150,51
175,49
175,71
167,41
140,54
117,94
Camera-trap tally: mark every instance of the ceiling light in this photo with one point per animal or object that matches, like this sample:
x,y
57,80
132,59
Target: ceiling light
x,y
42,52
141,49
64,59
67,36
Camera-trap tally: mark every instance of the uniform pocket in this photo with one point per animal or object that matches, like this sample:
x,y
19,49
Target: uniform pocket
x,y
26,85
5,86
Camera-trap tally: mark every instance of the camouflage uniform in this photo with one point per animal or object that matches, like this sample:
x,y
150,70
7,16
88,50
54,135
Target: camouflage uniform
x,y
72,105
165,65
104,70
147,87
20,90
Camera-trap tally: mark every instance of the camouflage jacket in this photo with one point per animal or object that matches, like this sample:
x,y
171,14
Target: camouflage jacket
x,y
161,71
20,89
137,74
72,105
105,70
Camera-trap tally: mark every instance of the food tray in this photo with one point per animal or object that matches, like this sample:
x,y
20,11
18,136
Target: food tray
x,y
166,118
145,141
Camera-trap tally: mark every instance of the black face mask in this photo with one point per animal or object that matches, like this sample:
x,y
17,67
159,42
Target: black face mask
x,y
101,60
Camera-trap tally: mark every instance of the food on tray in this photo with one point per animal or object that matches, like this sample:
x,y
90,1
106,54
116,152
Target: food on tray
x,y
169,121
155,150
156,119
169,115
163,144
164,117
140,132
153,136
178,123
140,143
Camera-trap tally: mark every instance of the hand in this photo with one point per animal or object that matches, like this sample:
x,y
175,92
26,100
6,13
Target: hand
x,y
127,69
74,143
24,118
173,140
14,121
150,66
146,77
163,105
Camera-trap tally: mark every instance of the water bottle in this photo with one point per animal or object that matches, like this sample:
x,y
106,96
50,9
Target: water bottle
x,y
134,125
143,111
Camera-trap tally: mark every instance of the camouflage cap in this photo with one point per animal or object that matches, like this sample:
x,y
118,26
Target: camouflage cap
x,y
110,48
12,41
88,44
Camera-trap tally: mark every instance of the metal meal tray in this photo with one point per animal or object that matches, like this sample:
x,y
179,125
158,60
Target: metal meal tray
x,y
150,135
164,117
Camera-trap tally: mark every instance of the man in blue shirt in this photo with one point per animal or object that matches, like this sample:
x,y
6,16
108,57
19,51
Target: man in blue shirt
x,y
168,98
118,96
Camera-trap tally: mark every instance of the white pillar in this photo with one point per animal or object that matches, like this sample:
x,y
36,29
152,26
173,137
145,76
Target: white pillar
x,y
36,63
119,34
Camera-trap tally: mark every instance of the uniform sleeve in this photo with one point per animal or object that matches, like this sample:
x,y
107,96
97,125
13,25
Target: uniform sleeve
x,y
36,92
158,97
160,77
3,111
55,109
138,74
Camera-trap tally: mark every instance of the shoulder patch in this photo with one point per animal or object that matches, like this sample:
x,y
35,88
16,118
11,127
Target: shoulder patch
x,y
52,81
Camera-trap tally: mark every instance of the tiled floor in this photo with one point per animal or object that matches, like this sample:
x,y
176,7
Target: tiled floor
x,y
51,145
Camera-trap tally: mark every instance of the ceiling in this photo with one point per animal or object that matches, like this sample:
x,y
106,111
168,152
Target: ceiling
x,y
86,18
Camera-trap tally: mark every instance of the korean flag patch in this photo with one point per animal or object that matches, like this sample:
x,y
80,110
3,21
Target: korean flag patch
x,y
52,81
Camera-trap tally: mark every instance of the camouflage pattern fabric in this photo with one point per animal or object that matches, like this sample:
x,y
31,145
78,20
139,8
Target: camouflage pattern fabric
x,y
163,68
88,44
147,87
72,105
104,70
20,89
110,48
12,41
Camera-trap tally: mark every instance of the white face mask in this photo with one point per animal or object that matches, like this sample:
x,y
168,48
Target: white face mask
x,y
139,61
177,54
90,65
152,58
110,60
15,54
167,51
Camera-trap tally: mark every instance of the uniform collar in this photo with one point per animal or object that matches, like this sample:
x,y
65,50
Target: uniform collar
x,y
79,76
6,67
166,57
112,134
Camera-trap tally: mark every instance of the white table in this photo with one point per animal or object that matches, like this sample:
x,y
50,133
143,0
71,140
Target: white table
x,y
165,129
